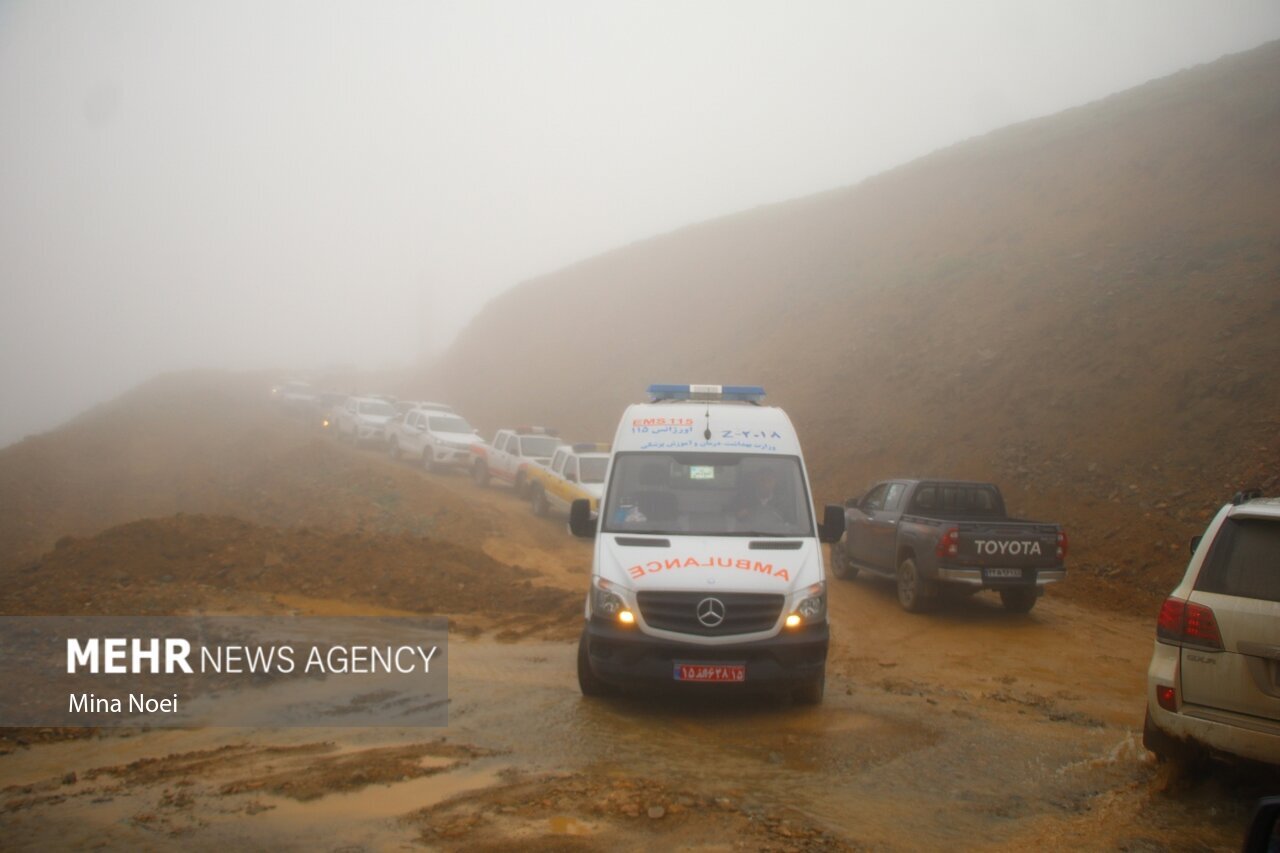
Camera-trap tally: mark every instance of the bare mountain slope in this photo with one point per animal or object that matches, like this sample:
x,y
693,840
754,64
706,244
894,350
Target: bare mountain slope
x,y
208,443
1084,307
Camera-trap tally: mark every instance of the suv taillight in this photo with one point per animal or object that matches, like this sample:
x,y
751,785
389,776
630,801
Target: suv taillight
x,y
949,544
1062,544
1201,628
1169,622
1190,623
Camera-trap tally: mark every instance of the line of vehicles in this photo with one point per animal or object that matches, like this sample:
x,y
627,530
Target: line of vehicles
x,y
708,571
533,460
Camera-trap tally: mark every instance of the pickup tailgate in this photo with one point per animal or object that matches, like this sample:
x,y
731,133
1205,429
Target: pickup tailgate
x,y
1012,545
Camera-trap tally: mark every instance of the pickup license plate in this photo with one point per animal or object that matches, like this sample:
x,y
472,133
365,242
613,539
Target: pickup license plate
x,y
1004,573
730,672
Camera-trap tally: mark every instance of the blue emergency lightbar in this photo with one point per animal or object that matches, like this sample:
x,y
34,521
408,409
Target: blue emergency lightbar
x,y
726,393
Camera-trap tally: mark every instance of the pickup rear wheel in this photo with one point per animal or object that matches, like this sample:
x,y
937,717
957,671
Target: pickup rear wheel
x,y
1018,600
915,593
841,566
539,501
480,473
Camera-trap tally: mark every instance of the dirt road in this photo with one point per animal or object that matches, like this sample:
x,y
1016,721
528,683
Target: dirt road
x,y
965,728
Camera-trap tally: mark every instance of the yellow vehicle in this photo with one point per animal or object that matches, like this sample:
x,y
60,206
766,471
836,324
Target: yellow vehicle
x,y
574,472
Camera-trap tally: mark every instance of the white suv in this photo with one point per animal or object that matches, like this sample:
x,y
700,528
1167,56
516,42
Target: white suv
x,y
1213,687
438,439
364,419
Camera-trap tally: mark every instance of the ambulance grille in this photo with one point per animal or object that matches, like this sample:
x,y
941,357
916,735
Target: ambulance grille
x,y
744,612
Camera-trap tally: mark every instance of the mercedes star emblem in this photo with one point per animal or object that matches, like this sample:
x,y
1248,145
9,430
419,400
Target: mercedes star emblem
x,y
711,612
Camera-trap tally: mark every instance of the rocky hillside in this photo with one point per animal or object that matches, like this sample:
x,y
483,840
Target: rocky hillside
x,y
1084,308
208,443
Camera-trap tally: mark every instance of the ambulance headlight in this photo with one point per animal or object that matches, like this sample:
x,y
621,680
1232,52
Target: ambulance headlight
x,y
812,608
605,600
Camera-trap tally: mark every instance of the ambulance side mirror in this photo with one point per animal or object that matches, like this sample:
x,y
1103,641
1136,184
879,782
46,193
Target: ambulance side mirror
x,y
1195,543
581,524
832,527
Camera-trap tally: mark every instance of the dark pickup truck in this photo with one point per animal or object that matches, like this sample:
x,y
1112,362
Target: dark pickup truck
x,y
930,534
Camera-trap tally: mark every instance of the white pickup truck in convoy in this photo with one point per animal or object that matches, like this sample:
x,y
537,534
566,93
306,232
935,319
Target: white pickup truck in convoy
x,y
708,563
294,397
364,419
509,456
436,439
575,471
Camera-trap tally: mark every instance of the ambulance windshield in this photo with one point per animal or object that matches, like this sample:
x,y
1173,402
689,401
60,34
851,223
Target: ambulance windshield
x,y
708,494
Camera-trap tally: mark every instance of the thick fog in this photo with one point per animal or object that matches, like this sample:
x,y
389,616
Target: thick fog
x,y
297,184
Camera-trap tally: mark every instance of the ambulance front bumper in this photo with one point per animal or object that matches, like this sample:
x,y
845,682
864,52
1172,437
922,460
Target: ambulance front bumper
x,y
627,657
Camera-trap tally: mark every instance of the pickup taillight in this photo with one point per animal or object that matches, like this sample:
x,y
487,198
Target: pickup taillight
x,y
1186,622
949,544
1062,544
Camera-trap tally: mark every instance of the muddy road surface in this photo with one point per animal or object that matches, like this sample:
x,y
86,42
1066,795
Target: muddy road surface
x,y
965,728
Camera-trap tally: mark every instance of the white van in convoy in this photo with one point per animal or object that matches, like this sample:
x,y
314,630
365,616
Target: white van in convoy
x,y
708,563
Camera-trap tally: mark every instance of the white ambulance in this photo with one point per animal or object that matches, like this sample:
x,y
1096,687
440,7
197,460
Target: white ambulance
x,y
708,563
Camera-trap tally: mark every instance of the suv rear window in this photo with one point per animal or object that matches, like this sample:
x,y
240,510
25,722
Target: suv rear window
x,y
1245,560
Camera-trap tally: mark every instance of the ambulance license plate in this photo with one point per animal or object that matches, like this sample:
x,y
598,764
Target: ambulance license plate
x,y
729,672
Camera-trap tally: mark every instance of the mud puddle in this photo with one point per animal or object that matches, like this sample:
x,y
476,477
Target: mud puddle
x,y
525,759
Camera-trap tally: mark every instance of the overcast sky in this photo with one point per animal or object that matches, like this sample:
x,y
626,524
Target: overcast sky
x,y
246,184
